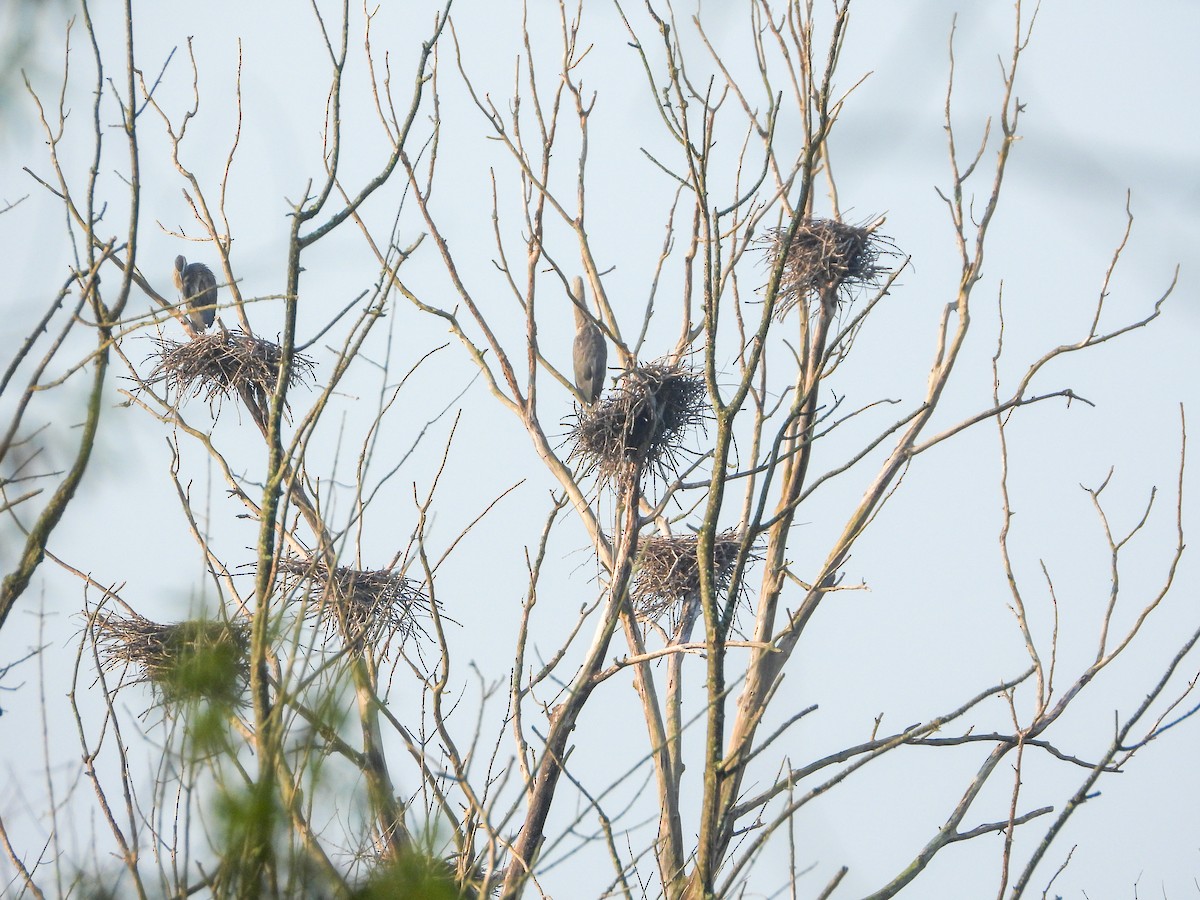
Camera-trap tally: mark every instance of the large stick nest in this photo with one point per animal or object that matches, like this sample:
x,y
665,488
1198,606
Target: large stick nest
x,y
825,258
365,607
668,572
223,363
197,659
641,424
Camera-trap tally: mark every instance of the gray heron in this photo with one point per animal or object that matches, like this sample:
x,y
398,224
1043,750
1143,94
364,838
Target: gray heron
x,y
590,350
198,289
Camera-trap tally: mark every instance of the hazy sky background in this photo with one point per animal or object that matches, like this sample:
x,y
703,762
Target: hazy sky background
x,y
1111,92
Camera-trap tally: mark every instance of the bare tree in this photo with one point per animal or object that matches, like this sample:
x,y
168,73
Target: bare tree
x,y
325,727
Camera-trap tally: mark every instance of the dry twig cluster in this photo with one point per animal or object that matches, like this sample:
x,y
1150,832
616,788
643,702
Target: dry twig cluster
x,y
824,257
668,574
224,363
640,425
197,659
366,607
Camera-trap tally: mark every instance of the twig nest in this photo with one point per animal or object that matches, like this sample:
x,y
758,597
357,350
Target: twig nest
x,y
197,659
222,363
825,258
641,424
668,573
365,607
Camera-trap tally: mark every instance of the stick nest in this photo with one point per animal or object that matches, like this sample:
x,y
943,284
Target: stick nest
x,y
641,424
825,258
366,607
197,659
223,363
668,575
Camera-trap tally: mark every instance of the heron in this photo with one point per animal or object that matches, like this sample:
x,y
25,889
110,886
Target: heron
x,y
198,288
591,352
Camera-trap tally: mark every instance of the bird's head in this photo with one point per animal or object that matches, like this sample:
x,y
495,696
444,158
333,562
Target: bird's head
x,y
579,301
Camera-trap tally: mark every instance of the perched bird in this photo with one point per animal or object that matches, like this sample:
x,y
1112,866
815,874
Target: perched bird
x,y
198,288
591,352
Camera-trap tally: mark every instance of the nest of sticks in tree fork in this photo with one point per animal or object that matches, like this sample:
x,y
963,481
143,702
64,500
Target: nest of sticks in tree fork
x,y
193,660
825,261
668,574
222,363
641,424
365,607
